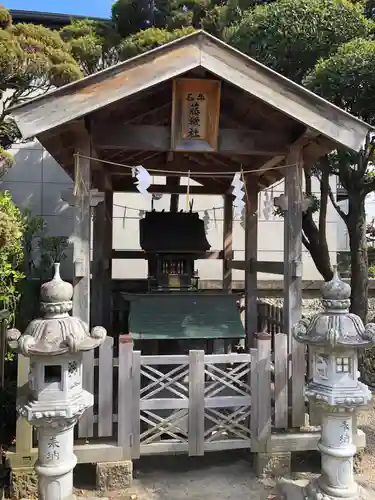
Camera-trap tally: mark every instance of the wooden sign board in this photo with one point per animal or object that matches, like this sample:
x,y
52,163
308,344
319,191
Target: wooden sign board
x,y
195,115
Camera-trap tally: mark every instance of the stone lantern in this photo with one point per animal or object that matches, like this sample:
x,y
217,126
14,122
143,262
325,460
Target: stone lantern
x,y
54,344
334,337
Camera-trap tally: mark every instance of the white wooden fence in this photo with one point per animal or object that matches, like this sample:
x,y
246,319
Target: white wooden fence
x,y
190,404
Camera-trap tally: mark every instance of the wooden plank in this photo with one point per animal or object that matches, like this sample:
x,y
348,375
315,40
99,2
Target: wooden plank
x,y
228,444
136,405
264,391
228,358
254,399
164,404
97,289
227,242
281,380
262,266
105,395
125,391
140,254
227,401
251,255
106,87
169,359
81,267
107,260
293,283
196,403
125,184
282,94
158,138
24,431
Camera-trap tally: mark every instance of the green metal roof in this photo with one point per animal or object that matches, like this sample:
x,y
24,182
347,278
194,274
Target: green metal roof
x,y
185,316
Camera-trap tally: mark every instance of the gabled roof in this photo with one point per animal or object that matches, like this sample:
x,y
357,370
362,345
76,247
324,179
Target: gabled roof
x,y
174,59
171,232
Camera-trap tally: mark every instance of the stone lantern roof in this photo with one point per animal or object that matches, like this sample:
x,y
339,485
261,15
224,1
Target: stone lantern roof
x,y
335,326
56,332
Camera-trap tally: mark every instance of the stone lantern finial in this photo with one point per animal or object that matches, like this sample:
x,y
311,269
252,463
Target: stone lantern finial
x,y
57,332
56,296
336,293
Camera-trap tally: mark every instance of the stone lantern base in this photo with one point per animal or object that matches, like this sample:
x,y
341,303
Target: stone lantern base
x,y
294,490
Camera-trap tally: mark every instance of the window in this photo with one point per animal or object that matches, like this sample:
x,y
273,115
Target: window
x,y
343,365
52,373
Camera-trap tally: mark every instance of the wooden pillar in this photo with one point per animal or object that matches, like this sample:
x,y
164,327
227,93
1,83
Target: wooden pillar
x,y
107,281
227,243
97,272
172,183
251,255
81,235
293,279
81,265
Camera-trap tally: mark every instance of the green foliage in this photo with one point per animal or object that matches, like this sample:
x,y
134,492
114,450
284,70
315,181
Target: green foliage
x,y
11,252
289,36
5,18
130,16
218,19
347,78
93,44
32,60
149,39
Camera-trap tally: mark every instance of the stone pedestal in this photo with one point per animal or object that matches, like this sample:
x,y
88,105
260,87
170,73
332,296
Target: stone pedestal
x,y
55,463
337,449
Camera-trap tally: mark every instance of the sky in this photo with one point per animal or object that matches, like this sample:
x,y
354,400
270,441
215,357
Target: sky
x,y
94,8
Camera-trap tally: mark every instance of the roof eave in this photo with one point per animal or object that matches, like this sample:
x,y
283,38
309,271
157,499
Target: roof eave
x,y
177,57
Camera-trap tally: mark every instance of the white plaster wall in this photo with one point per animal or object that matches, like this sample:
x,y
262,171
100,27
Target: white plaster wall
x,y
36,182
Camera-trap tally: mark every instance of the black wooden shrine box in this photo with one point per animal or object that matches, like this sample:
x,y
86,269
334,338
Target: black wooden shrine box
x,y
172,242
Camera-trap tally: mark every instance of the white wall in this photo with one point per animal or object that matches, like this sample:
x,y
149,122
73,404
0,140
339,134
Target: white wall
x,y
36,182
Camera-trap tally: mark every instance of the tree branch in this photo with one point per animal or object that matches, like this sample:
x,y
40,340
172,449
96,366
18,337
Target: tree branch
x,y
306,242
341,213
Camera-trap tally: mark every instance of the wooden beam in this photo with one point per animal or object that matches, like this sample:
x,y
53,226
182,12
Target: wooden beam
x,y
251,255
140,254
102,256
172,183
227,242
158,138
293,283
264,266
126,185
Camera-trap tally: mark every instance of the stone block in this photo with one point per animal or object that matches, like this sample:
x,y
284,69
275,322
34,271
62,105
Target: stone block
x,y
24,483
114,475
273,464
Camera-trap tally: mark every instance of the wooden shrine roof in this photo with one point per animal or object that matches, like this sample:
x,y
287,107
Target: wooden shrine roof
x,y
172,232
126,110
199,315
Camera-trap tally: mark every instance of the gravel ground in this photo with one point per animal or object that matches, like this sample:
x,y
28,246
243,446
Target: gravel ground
x,y
225,476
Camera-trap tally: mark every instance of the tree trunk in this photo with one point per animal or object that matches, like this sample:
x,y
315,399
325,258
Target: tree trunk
x,y
356,222
319,253
314,237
